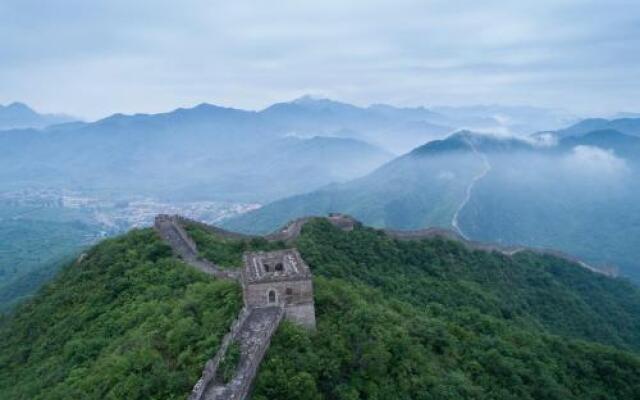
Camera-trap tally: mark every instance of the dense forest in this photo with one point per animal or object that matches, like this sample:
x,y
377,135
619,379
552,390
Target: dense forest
x,y
426,319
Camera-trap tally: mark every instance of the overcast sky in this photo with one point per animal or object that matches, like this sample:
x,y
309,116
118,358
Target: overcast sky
x,y
94,58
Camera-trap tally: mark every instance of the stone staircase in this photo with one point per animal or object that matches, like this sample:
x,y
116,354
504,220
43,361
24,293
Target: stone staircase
x,y
252,331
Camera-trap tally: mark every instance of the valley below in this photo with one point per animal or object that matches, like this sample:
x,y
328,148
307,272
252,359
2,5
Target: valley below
x,y
42,229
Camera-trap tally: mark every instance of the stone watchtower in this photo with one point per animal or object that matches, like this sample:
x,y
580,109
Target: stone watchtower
x,y
280,278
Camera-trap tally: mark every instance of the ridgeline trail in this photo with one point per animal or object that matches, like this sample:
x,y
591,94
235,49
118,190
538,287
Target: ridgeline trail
x,y
485,170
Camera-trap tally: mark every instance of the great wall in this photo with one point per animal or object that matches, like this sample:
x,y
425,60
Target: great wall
x,y
278,285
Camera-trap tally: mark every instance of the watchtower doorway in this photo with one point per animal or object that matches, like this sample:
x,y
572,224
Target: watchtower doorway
x,y
272,297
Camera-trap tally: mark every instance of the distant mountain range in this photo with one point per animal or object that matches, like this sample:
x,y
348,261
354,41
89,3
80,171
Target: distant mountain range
x,y
228,154
580,193
20,116
401,129
629,126
202,152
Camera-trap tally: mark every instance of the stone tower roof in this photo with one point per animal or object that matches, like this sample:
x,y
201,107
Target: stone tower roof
x,y
279,265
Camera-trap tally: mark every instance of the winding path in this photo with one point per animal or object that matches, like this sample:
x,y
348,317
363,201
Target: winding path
x,y
485,170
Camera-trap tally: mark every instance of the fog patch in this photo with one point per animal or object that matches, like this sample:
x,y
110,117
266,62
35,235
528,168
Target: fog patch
x,y
446,175
544,139
591,160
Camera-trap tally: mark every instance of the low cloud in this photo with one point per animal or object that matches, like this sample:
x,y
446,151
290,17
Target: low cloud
x,y
591,160
543,140
446,175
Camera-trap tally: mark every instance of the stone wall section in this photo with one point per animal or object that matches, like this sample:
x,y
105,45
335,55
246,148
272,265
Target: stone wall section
x,y
171,230
211,367
176,236
507,250
293,229
211,228
253,333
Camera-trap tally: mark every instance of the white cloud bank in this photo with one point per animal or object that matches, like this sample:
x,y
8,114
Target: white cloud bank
x,y
594,161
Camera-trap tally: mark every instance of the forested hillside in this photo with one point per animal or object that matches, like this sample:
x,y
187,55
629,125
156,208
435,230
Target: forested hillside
x,y
426,319
128,322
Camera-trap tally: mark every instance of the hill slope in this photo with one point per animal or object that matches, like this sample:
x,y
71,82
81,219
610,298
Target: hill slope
x,y
419,189
35,241
405,320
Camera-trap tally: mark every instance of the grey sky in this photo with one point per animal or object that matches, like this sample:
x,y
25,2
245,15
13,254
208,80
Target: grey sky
x,y
93,58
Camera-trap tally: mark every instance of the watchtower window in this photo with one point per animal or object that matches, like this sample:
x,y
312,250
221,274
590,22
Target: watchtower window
x,y
267,267
289,291
279,267
272,296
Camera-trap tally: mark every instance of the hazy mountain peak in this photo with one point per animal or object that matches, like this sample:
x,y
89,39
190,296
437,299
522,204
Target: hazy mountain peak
x,y
382,106
309,99
466,140
321,103
19,115
455,142
19,106
209,107
628,126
